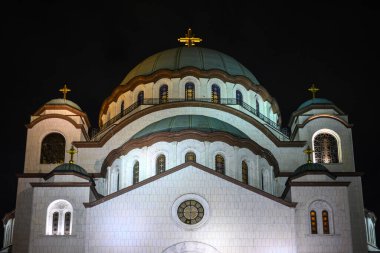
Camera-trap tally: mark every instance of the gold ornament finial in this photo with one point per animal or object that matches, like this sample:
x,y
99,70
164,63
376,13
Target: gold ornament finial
x,y
64,90
189,39
313,90
71,151
308,151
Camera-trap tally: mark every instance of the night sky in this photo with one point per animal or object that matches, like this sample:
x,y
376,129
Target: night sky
x,y
91,47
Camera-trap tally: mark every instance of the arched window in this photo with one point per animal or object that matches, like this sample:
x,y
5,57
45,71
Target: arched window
x,y
215,94
53,149
140,98
190,157
313,222
122,108
160,164
189,91
136,172
59,218
55,223
325,220
67,223
219,164
244,172
325,148
239,98
164,94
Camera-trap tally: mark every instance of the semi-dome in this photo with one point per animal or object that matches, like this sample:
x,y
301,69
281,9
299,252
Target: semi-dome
x,y
198,57
190,122
61,101
70,167
310,167
315,101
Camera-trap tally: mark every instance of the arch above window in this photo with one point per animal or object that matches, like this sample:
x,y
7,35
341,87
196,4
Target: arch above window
x,y
189,91
326,146
164,94
190,157
53,149
160,164
321,217
219,164
59,218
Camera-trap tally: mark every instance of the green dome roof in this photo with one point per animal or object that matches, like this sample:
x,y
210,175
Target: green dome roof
x,y
70,167
61,101
187,122
310,167
198,57
315,101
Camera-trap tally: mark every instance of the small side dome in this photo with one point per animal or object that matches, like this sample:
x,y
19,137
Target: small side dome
x,y
315,101
190,122
315,167
69,168
61,101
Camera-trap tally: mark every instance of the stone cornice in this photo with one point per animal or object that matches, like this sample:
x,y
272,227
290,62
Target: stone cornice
x,y
59,116
61,184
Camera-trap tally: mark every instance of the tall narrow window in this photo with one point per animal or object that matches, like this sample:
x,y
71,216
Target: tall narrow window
x,y
257,106
164,94
215,94
325,220
140,98
160,164
313,222
122,108
189,91
136,172
244,172
55,223
53,149
325,148
67,223
239,98
219,164
190,157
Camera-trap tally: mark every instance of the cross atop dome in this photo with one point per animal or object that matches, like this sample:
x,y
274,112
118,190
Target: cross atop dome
x,y
189,39
313,90
64,90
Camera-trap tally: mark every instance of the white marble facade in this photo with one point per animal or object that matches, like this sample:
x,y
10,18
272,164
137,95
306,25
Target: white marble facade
x,y
260,202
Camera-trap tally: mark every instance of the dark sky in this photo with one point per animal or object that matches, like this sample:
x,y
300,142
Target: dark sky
x,y
92,46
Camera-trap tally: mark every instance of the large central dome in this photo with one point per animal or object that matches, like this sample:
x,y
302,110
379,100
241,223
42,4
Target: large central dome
x,y
198,57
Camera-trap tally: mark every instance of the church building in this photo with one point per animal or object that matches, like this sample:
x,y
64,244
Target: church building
x,y
190,157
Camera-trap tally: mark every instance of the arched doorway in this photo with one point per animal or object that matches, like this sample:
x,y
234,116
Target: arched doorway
x,y
190,247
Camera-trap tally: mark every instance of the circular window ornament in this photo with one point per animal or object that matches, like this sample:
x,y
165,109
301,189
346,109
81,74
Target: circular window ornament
x,y
190,211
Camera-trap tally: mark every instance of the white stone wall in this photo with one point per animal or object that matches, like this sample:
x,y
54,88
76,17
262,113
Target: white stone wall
x,y
240,220
42,198
35,137
344,135
339,240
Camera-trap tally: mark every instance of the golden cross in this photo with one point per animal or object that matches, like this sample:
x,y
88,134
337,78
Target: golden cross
x,y
308,151
189,39
313,90
71,151
64,90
